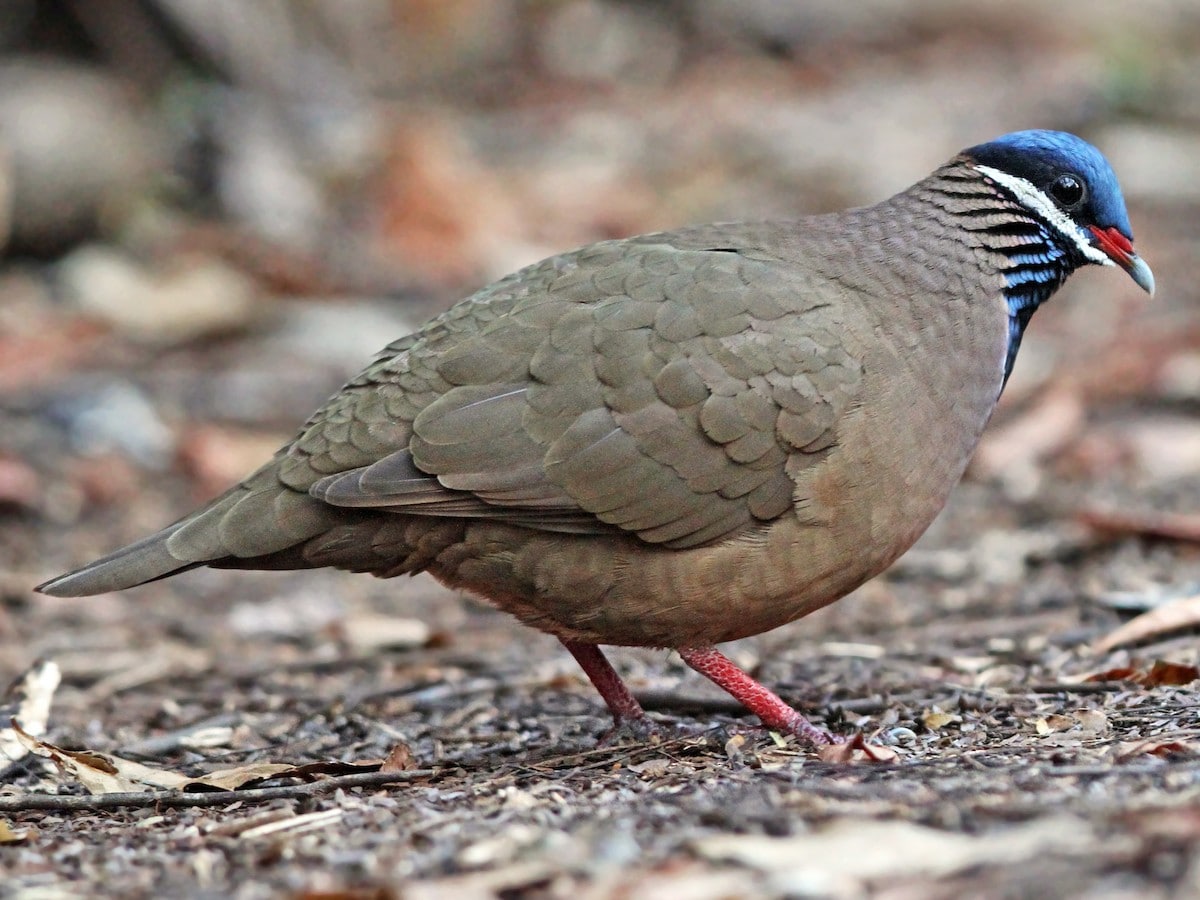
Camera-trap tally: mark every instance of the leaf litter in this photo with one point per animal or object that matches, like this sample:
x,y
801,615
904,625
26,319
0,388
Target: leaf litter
x,y
434,750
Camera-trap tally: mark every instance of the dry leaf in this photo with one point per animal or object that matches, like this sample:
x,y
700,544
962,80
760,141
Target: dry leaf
x,y
733,746
1165,749
1161,620
10,835
652,768
1092,721
1160,673
442,212
1149,523
1052,724
1082,721
27,701
935,719
856,750
100,773
399,759
1168,673
103,773
239,777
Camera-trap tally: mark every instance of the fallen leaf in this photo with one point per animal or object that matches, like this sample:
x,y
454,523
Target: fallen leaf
x,y
195,297
1091,721
10,835
1052,724
103,773
935,719
105,479
855,649
399,759
239,777
856,750
1161,620
1168,673
1160,673
27,702
652,768
441,211
734,746
309,771
100,773
1165,749
1172,526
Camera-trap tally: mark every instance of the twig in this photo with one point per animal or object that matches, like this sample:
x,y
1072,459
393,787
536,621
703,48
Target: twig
x,y
158,746
1083,687
184,799
672,701
1170,526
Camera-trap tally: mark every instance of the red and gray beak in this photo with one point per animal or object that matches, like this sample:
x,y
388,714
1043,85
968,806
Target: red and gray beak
x,y
1119,249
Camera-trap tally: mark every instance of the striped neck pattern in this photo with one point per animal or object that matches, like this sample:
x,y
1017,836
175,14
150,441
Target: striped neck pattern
x,y
1031,253
1033,271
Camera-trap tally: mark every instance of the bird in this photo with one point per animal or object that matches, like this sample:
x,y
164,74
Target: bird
x,y
684,438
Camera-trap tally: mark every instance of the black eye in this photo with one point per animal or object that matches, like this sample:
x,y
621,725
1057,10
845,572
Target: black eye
x,y
1067,190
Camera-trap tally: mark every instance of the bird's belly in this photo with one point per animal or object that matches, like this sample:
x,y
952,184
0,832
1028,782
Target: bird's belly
x,y
620,590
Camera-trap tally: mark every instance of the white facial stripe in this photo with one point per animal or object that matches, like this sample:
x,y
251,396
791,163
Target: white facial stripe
x,y
1031,197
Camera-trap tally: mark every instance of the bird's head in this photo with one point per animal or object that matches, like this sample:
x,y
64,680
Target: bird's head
x,y
1069,185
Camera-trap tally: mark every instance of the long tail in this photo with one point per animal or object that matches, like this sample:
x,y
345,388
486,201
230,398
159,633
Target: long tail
x,y
260,523
140,562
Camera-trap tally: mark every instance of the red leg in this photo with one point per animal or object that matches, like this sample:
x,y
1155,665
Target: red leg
x,y
622,704
768,706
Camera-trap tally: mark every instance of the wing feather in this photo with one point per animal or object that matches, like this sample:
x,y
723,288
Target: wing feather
x,y
637,386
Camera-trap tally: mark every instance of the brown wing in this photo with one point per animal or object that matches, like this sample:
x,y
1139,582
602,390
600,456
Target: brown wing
x,y
660,386
632,385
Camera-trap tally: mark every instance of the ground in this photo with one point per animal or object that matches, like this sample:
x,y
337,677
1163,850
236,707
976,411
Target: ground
x,y
430,747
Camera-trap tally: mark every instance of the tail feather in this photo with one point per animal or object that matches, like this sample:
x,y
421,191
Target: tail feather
x,y
144,561
260,518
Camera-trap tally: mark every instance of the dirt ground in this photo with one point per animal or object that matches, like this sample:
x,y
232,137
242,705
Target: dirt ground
x,y
1031,664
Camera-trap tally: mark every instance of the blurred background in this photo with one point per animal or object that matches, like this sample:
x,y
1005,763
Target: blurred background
x,y
212,212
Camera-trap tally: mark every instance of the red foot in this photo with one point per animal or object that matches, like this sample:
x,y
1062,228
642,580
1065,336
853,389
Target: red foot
x,y
767,705
625,709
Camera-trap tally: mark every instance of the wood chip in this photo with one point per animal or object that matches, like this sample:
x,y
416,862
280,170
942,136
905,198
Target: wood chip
x,y
295,824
